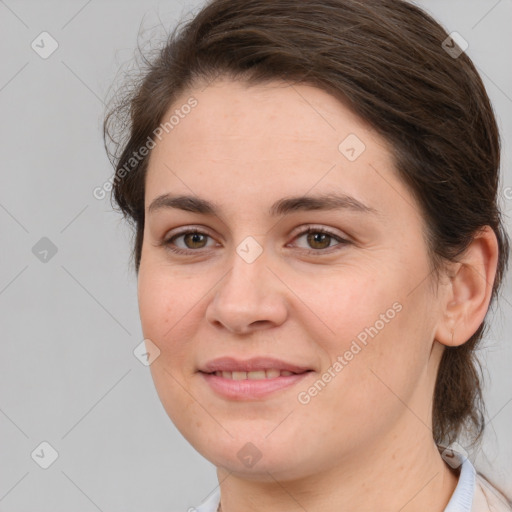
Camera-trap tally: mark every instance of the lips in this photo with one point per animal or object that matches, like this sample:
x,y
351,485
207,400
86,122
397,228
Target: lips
x,y
258,378
237,367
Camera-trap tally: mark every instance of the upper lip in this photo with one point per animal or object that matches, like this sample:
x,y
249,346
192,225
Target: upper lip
x,y
230,364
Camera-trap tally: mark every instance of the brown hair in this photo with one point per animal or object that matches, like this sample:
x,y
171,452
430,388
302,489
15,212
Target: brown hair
x,y
385,60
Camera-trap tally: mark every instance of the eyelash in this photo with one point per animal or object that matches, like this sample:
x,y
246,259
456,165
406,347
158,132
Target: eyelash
x,y
168,244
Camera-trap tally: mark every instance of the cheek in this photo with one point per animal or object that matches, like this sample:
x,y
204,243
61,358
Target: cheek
x,y
367,384
165,302
353,305
377,342
165,312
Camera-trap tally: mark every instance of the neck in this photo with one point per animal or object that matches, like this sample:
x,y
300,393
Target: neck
x,y
395,475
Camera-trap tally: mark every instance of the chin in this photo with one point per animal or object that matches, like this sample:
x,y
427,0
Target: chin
x,y
279,467
259,460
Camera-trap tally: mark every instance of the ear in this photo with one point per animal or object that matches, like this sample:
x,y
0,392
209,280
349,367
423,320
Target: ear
x,y
468,292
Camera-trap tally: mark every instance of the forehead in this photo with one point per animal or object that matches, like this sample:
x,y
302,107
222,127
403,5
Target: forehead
x,y
261,123
267,141
254,114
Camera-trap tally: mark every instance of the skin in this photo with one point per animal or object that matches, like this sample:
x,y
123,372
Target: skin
x,y
365,441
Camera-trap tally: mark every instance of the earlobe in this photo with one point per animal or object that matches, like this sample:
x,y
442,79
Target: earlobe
x,y
469,290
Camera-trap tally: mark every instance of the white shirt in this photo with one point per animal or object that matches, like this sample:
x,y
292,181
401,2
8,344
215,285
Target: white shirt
x,y
472,494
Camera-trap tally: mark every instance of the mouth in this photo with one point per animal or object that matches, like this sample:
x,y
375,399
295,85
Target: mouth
x,y
253,379
271,373
254,368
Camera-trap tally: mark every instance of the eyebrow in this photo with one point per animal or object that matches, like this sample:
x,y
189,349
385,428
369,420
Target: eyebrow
x,y
283,206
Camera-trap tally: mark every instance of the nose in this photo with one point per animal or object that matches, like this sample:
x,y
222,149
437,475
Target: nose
x,y
248,298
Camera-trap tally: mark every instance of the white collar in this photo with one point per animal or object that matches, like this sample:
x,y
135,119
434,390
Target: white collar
x,y
462,497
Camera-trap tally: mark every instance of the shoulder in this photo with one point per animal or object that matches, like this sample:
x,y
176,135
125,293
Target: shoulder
x,y
488,498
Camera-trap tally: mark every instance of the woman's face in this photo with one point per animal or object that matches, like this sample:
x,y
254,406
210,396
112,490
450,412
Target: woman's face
x,y
355,306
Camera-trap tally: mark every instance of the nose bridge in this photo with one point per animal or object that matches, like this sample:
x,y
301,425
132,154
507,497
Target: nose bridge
x,y
247,295
247,278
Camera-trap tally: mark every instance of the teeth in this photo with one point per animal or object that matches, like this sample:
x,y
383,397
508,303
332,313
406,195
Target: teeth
x,y
255,375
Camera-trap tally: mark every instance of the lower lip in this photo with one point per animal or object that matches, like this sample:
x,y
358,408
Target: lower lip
x,y
251,389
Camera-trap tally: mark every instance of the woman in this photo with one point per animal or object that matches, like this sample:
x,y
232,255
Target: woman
x,y
313,188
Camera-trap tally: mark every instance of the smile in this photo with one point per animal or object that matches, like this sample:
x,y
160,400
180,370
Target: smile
x,y
253,385
255,375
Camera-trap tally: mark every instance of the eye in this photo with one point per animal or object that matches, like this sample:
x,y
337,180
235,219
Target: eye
x,y
320,239
192,238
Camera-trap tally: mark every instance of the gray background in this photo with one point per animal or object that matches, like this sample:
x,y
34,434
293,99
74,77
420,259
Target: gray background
x,y
68,375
